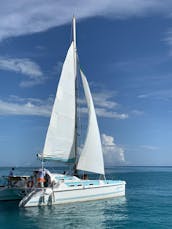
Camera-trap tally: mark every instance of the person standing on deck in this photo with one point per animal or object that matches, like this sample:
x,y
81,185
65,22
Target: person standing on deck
x,y
41,178
11,174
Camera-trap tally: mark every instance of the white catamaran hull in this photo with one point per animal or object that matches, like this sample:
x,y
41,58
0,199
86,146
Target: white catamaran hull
x,y
49,196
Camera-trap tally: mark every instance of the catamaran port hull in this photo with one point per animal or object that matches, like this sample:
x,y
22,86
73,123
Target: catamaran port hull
x,y
13,188
11,193
51,196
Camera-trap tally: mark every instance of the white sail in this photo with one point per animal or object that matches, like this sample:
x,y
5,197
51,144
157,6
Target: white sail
x,y
91,158
60,135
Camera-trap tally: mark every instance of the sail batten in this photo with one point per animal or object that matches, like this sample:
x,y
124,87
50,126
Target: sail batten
x,y
61,130
91,158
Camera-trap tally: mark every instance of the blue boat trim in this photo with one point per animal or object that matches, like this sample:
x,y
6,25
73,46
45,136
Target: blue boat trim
x,y
71,160
92,187
92,182
64,177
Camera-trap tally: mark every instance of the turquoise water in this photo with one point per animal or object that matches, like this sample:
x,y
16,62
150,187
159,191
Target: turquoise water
x,y
148,204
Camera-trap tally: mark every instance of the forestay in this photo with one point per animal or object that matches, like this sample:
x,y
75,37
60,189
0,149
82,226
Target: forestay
x,y
91,158
60,134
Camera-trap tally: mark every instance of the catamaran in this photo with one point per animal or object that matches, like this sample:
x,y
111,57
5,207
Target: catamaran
x,y
61,144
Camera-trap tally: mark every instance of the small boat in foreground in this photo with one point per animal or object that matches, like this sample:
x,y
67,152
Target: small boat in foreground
x,y
14,187
61,144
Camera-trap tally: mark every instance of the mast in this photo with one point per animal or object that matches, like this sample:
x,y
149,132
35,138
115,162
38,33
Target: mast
x,y
76,88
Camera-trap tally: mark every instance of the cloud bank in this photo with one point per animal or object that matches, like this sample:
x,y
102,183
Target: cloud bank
x,y
113,154
164,94
23,17
25,67
15,105
104,104
26,106
149,147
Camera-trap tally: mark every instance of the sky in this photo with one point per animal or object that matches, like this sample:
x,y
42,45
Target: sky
x,y
125,51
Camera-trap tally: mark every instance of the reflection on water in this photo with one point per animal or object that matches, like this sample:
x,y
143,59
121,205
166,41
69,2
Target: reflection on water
x,y
96,214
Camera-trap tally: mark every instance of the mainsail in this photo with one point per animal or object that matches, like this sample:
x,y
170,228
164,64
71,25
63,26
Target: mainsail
x,y
60,135
91,158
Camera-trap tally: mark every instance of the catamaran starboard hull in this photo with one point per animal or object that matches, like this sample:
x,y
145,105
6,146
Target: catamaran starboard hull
x,y
49,196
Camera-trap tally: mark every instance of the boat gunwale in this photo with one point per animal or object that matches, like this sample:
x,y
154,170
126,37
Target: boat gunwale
x,y
91,187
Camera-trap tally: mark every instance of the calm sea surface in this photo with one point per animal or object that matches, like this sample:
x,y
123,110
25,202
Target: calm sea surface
x,y
148,204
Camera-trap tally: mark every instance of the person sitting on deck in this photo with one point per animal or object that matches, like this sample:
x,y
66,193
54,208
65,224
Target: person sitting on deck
x,y
30,182
85,177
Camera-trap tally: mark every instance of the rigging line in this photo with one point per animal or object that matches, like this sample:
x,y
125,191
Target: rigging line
x,y
79,106
76,91
71,34
84,123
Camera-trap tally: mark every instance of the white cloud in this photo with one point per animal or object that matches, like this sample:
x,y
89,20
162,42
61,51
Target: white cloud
x,y
110,114
137,112
168,40
15,105
101,112
113,154
149,147
25,67
164,94
25,106
104,105
102,99
22,17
